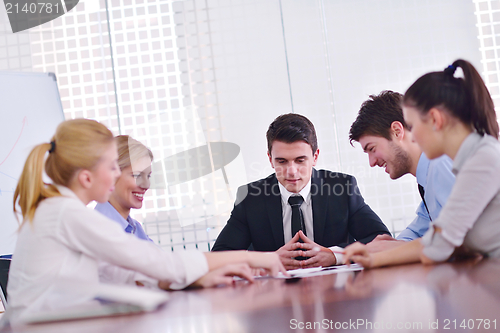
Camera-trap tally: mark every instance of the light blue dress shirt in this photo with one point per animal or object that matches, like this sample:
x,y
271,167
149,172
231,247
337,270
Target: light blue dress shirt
x,y
436,178
129,225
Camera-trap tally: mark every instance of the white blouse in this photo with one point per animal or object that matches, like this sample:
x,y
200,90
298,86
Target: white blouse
x,y
66,240
471,216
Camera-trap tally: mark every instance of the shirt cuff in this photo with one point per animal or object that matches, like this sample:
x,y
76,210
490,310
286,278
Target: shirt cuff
x,y
195,266
338,256
436,247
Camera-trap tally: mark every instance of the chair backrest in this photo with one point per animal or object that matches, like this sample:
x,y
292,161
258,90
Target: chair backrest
x,y
4,277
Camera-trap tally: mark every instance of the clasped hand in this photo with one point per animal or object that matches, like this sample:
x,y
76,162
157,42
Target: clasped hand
x,y
317,255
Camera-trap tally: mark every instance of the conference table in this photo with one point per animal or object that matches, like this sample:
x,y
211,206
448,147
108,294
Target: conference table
x,y
461,296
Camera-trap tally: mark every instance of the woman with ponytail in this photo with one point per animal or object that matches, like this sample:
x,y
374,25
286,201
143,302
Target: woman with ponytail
x,y
454,116
60,239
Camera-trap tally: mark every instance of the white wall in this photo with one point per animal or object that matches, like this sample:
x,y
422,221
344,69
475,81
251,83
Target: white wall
x,y
337,53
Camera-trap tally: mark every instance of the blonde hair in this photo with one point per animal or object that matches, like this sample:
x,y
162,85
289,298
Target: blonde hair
x,y
78,144
130,150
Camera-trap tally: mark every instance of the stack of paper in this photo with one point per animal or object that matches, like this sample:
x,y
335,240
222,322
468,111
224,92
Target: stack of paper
x,y
110,300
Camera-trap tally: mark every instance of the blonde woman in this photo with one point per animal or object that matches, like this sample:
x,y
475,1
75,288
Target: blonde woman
x,y
134,160
60,238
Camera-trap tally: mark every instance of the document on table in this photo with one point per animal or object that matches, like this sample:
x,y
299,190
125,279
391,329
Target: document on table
x,y
315,271
110,300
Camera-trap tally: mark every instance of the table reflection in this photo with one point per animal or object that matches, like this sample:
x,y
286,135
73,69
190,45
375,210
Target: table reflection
x,y
427,296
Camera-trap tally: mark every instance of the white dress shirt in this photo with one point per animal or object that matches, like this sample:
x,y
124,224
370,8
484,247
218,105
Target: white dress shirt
x,y
306,209
66,240
307,214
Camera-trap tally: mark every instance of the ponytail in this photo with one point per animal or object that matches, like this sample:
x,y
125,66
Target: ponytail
x,y
31,189
78,144
483,116
465,98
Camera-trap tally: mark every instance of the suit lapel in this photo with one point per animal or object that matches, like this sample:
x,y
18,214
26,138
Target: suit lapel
x,y
319,206
274,211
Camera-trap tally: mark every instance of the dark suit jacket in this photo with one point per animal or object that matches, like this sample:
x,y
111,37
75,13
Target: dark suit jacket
x,y
339,214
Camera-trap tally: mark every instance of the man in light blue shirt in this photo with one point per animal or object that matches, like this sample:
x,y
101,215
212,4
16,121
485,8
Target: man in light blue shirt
x,y
383,134
437,180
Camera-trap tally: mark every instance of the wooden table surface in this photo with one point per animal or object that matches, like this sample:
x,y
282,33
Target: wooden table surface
x,y
462,297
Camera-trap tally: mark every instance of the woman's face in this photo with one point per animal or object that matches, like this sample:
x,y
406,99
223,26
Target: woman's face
x,y
133,184
423,132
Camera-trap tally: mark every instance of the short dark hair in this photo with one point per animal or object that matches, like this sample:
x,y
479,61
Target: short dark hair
x,y
376,116
290,128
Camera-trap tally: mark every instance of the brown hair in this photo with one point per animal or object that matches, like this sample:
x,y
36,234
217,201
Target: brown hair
x,y
465,98
77,144
290,128
376,116
130,150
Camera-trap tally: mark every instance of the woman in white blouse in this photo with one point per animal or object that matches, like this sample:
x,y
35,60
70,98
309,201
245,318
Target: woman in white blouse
x,y
453,116
60,239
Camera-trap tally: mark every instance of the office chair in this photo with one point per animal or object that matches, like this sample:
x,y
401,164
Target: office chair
x,y
4,276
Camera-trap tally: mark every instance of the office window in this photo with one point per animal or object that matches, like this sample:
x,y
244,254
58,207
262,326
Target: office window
x,y
488,26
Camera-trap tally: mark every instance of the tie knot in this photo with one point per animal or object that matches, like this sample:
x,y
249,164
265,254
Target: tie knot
x,y
295,200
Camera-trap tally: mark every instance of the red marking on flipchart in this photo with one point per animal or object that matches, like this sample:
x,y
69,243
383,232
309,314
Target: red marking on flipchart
x,y
14,146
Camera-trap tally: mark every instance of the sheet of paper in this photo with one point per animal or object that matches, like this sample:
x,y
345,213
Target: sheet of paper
x,y
110,300
314,271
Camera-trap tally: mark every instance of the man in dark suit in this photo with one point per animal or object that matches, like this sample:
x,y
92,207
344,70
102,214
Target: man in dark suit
x,y
306,215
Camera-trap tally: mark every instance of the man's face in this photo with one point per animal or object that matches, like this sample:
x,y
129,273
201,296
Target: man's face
x,y
293,163
387,154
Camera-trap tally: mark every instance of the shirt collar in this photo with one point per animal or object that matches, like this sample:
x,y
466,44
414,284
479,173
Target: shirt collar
x,y
305,193
466,148
107,209
422,168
